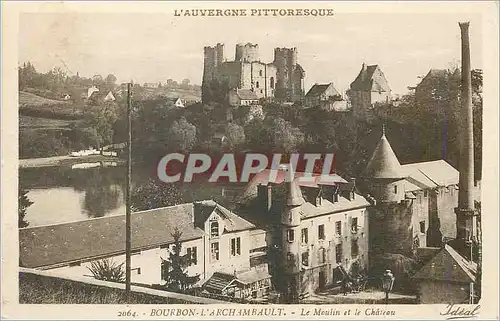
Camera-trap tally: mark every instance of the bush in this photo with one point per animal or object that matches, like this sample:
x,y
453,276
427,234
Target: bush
x,y
107,270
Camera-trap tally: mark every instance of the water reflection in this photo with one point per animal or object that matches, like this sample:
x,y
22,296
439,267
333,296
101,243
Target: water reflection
x,y
62,194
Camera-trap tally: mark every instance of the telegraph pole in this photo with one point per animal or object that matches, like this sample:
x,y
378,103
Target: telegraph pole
x,y
128,243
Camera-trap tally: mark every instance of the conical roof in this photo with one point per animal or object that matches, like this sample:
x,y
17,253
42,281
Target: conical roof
x,y
294,194
384,163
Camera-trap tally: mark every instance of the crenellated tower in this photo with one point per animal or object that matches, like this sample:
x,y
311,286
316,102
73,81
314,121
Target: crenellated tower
x,y
213,58
247,52
289,75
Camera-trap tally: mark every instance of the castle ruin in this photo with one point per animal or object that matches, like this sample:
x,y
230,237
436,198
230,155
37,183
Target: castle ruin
x,y
282,79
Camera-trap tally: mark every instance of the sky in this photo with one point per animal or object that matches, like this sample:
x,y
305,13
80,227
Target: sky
x,y
146,47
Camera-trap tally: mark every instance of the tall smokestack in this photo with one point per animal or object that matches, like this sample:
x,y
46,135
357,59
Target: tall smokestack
x,y
466,229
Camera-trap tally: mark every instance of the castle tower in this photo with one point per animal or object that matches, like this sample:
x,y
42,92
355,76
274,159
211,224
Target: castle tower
x,y
383,177
213,58
290,234
289,75
247,53
466,213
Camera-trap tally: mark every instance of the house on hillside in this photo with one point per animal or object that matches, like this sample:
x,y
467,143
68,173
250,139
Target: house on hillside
x,y
174,102
91,91
448,278
326,97
242,97
109,97
369,87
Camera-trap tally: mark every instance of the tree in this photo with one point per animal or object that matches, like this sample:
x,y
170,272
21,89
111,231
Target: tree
x,y
107,270
182,135
174,267
152,195
236,134
110,80
102,120
285,138
23,204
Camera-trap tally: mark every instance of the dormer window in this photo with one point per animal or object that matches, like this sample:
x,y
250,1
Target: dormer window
x,y
395,189
214,229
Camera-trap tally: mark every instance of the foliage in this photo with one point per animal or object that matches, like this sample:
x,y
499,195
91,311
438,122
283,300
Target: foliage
x,y
236,134
107,270
99,123
402,267
182,135
153,195
23,203
174,267
42,143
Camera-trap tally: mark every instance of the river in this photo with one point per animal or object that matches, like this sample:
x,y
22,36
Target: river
x,y
61,194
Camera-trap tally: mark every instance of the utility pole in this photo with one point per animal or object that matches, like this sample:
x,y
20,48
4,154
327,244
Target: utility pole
x,y
128,243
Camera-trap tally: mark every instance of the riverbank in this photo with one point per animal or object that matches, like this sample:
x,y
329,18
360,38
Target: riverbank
x,y
66,161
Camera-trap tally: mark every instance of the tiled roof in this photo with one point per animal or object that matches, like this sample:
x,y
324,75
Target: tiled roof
x,y
310,210
370,78
232,222
251,276
383,163
448,266
218,282
68,242
267,176
432,173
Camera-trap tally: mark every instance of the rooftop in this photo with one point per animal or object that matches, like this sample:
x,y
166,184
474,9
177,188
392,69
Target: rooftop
x,y
448,266
383,163
319,89
370,78
69,242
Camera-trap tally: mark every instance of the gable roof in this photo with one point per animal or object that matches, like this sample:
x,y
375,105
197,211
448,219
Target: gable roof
x,y
68,242
448,266
319,89
232,222
383,163
431,174
370,78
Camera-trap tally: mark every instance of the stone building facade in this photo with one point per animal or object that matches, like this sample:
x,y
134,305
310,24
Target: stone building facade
x,y
369,87
281,79
412,203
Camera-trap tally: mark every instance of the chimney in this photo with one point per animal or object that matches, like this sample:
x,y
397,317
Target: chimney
x,y
465,210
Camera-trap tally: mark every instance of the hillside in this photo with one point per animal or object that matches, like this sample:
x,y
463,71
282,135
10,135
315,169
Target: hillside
x,y
31,100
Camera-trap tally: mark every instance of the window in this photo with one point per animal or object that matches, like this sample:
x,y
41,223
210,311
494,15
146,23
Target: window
x,y
354,248
291,235
321,232
395,189
305,258
304,236
422,227
322,255
425,193
257,84
338,228
338,253
236,246
354,225
271,82
260,72
214,229
192,255
214,251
